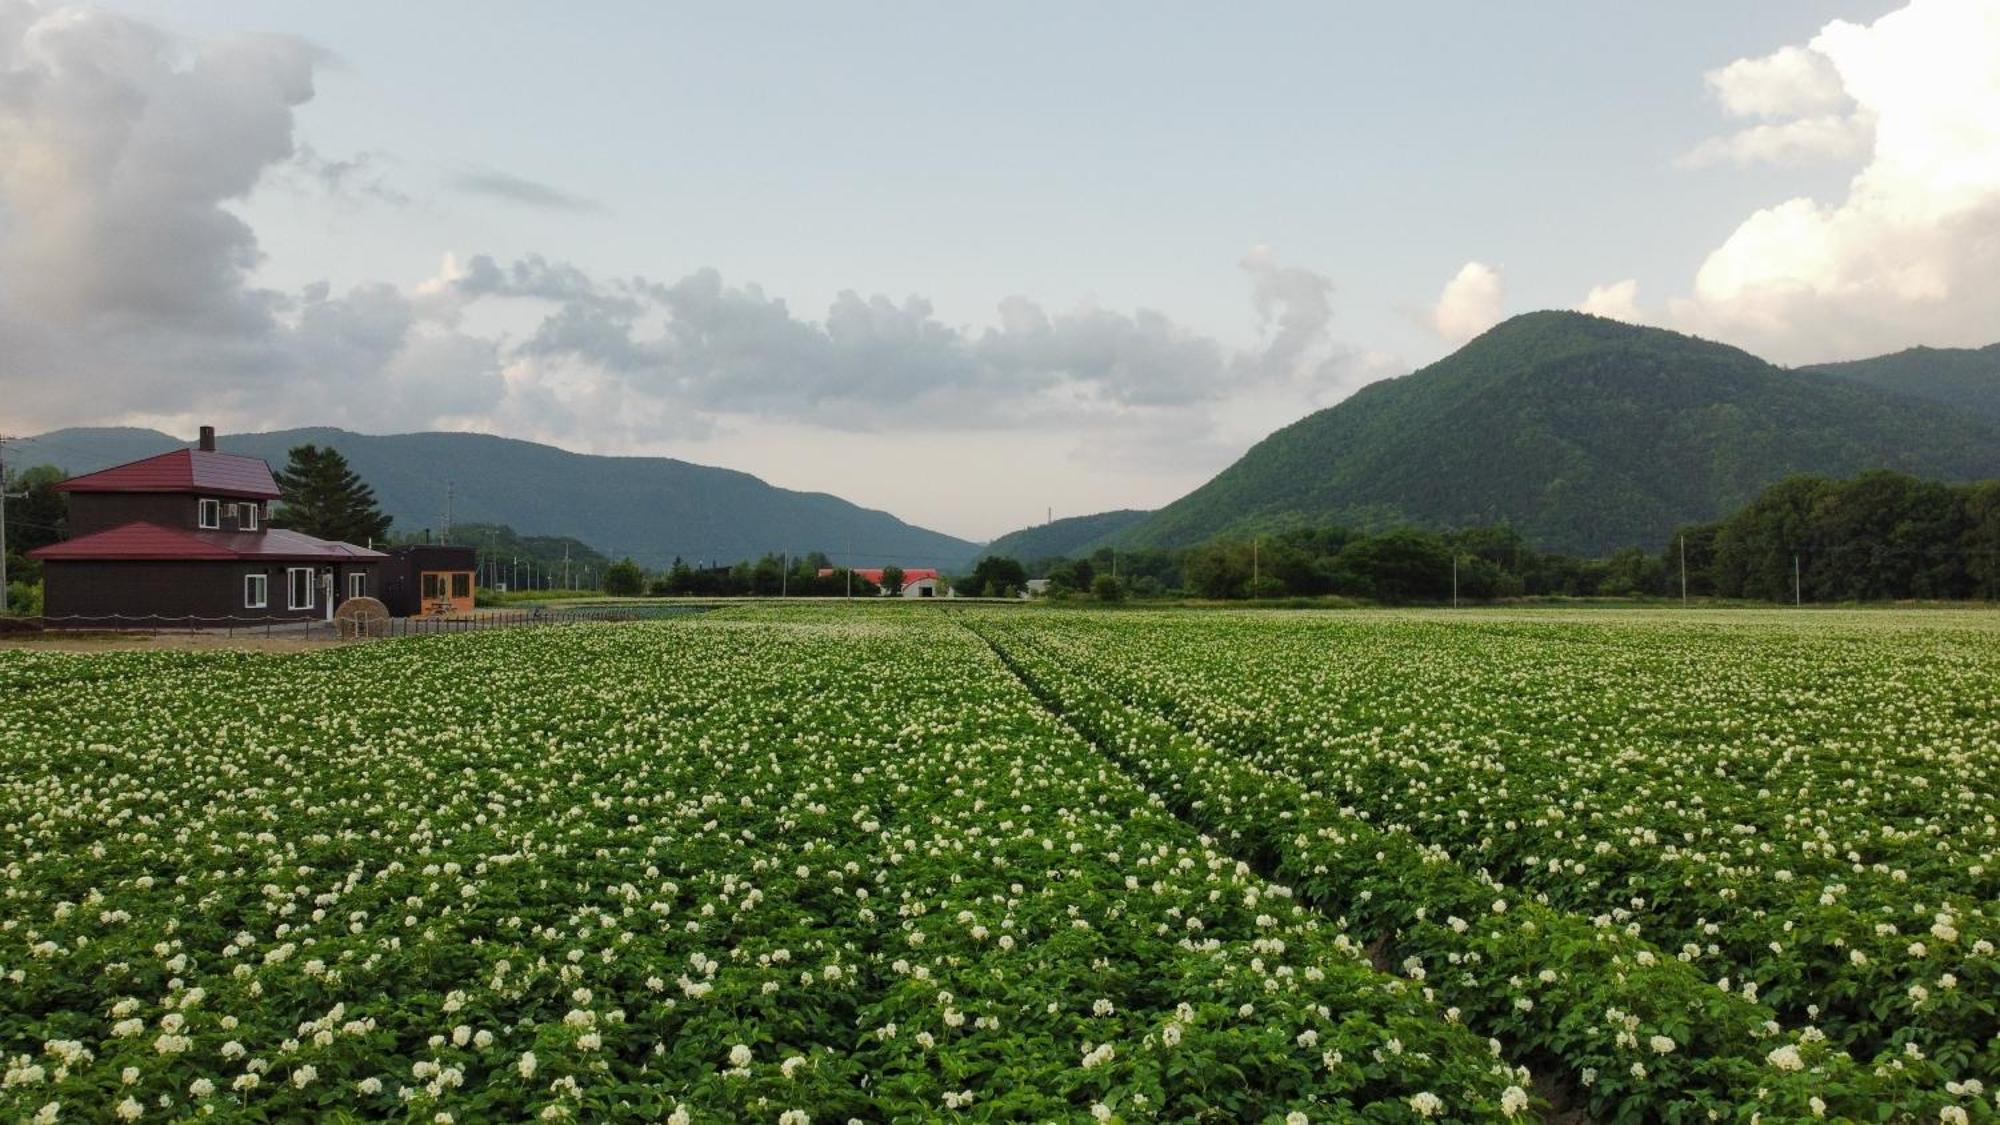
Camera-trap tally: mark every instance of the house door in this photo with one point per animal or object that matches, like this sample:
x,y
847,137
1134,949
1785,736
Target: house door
x,y
326,591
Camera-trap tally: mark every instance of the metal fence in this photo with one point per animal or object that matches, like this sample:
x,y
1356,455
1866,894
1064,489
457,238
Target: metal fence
x,y
530,616
321,629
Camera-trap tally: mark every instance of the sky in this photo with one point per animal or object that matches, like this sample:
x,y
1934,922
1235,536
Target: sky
x,y
966,263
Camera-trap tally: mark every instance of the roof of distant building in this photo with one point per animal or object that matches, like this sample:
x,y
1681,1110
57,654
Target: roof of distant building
x,y
874,573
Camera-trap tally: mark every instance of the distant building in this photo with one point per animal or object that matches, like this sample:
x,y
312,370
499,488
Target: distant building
x,y
182,540
426,580
918,582
1037,587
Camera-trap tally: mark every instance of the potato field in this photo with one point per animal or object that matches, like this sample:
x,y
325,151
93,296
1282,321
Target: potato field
x,y
931,863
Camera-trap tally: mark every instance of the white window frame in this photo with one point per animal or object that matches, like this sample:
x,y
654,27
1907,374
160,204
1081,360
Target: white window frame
x,y
246,516
256,591
208,514
357,583
292,586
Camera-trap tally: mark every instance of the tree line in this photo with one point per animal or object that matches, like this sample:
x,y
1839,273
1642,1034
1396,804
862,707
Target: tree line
x,y
1878,537
1881,536
770,576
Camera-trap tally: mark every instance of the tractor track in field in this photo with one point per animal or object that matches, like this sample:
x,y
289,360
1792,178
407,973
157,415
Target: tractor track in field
x,y
1551,1083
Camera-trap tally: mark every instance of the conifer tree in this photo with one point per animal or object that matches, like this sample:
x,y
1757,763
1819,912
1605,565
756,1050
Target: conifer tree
x,y
324,498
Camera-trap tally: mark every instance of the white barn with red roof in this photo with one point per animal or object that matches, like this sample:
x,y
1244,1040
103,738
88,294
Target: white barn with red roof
x,y
184,539
918,582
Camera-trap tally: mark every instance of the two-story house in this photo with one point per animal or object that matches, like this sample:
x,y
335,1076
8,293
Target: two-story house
x,y
184,539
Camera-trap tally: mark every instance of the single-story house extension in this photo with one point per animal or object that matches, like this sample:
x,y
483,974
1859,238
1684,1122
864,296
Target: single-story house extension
x,y
429,580
183,540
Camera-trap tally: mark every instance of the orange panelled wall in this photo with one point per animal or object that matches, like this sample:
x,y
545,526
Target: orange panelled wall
x,y
449,603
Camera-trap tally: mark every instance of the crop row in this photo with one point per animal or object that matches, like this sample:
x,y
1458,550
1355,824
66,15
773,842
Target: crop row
x,y
1614,797
1637,1026
809,869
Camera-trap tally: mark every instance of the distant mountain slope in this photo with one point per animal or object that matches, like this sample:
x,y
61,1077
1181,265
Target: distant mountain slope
x,y
1068,537
652,508
1968,378
1586,434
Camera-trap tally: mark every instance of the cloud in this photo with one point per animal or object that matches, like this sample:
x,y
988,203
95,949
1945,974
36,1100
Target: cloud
x,y
115,160
1618,300
519,189
125,273
357,178
1788,82
125,154
1469,305
1805,141
1802,97
1911,253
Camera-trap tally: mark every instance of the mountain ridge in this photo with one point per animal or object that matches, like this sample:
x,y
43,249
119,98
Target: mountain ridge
x,y
1968,378
1066,537
1586,434
700,513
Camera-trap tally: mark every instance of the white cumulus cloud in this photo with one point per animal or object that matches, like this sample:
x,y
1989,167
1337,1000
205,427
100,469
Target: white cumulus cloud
x,y
1788,82
1911,253
1618,301
1469,305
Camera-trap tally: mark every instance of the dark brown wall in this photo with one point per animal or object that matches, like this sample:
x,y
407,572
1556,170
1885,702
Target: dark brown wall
x,y
91,512
402,584
183,593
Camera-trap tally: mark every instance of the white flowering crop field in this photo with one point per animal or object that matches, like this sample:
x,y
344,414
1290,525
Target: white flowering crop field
x,y
1746,864
910,864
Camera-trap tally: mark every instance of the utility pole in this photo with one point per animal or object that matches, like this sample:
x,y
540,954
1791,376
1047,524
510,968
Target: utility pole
x,y
785,574
566,582
513,572
444,534
1256,575
1797,598
4,497
1684,571
1454,580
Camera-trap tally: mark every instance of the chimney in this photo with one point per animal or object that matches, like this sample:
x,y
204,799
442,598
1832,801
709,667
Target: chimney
x,y
208,439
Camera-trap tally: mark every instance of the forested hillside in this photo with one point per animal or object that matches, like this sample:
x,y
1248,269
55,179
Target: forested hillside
x,y
1585,434
1074,535
1966,378
651,508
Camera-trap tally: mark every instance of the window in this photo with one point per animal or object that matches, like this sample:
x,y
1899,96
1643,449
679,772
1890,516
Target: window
x,y
461,585
357,584
433,585
299,583
256,591
208,514
246,516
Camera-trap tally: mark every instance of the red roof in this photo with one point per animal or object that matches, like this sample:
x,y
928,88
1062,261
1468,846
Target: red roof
x,y
874,574
184,470
151,541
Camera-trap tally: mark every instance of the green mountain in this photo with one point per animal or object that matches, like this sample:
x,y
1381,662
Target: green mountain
x,y
651,508
1585,434
1968,378
1069,537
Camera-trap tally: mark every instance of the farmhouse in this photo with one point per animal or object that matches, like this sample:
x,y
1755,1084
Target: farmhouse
x,y
918,582
183,539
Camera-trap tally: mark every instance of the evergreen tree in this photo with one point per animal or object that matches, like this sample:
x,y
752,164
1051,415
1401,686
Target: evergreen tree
x,y
324,498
